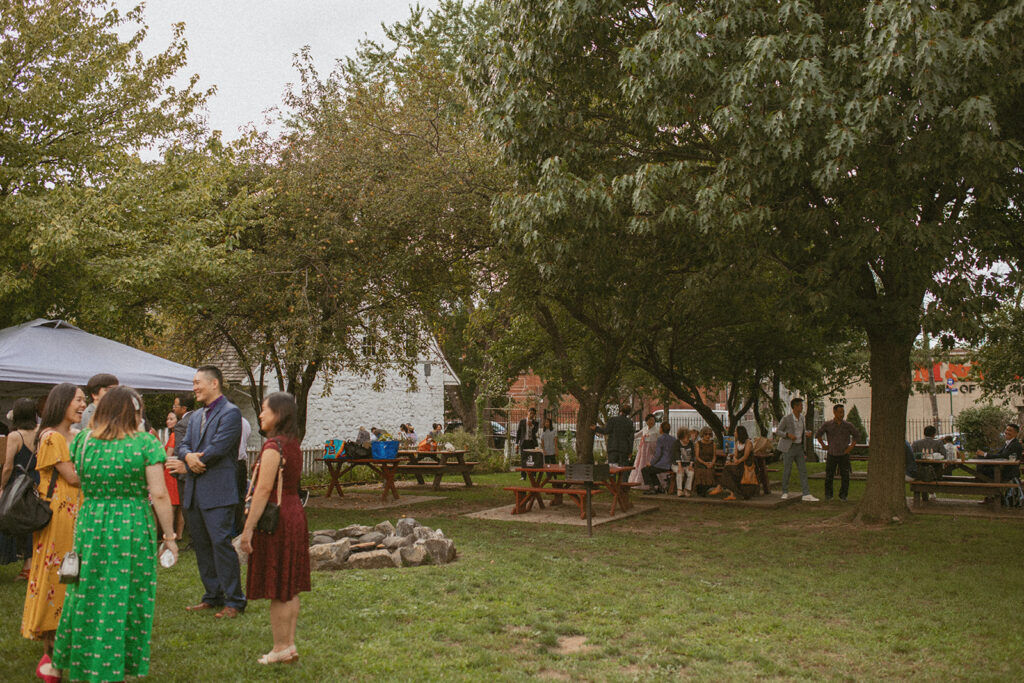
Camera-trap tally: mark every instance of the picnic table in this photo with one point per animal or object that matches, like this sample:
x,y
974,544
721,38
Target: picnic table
x,y
438,463
977,483
336,467
546,480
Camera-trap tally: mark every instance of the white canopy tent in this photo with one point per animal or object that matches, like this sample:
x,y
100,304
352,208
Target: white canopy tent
x,y
39,354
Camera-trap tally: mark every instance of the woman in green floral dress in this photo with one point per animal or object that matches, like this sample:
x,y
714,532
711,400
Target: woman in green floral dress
x,y
105,628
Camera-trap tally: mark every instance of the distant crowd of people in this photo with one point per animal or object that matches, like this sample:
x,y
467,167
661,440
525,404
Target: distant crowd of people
x,y
107,478
690,462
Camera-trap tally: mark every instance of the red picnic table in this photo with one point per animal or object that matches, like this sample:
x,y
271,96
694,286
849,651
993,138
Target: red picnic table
x,y
546,480
385,468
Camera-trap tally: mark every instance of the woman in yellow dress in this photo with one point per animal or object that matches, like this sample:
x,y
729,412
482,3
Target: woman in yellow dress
x,y
44,599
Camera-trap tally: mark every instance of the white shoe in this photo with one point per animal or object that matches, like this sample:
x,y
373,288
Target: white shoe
x,y
809,499
785,496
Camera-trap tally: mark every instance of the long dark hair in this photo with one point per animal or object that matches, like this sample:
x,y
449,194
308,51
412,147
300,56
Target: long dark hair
x,y
57,402
282,404
741,435
23,416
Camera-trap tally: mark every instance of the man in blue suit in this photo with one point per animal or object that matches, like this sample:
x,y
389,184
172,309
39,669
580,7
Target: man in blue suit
x,y
207,454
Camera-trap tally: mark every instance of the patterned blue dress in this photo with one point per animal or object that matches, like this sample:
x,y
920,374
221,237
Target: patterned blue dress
x,y
104,632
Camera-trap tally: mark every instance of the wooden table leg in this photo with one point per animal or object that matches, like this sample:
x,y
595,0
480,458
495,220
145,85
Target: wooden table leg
x,y
334,469
467,479
387,473
437,481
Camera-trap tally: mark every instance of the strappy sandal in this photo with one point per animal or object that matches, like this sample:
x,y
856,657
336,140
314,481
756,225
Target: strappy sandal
x,y
285,656
23,575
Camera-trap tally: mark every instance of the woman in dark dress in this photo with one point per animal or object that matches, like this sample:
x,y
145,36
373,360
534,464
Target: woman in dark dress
x,y
20,455
704,461
278,562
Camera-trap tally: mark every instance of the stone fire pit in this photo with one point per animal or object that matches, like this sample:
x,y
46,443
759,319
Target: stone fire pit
x,y
407,544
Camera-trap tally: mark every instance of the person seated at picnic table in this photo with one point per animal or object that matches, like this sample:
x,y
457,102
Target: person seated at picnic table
x,y
910,462
764,449
1011,450
704,461
549,442
363,437
683,464
951,451
731,478
661,462
428,445
929,444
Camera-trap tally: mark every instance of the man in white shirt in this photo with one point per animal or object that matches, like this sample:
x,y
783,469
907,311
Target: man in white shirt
x,y
242,473
793,432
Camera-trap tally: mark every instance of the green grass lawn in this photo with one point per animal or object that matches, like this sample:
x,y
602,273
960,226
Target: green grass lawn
x,y
690,591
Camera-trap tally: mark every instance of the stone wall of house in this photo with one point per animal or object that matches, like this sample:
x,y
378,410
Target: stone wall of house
x,y
353,402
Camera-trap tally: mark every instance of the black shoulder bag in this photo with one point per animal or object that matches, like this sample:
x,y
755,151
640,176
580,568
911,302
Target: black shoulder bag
x,y
272,511
22,510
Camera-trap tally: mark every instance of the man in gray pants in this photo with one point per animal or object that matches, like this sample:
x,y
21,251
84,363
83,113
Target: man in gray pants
x,y
793,432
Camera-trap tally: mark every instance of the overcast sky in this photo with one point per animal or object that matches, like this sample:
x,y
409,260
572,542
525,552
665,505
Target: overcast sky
x,y
245,48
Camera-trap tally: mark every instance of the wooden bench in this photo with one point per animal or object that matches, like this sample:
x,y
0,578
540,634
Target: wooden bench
x,y
526,496
969,487
439,470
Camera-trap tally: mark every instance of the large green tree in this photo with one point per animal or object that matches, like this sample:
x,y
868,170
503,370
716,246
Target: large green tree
x,y
78,100
874,148
369,221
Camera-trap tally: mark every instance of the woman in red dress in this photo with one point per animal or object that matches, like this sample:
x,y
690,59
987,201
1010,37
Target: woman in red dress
x,y
278,562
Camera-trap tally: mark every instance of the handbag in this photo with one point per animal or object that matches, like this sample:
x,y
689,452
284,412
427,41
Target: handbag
x,y
69,567
71,564
268,521
22,509
749,476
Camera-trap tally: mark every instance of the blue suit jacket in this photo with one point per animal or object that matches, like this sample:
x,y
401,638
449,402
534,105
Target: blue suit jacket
x,y
218,442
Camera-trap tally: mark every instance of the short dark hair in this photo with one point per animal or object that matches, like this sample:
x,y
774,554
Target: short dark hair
x,y
1015,427
283,405
947,439
532,410
838,406
665,427
23,415
929,431
100,381
186,399
792,404
213,372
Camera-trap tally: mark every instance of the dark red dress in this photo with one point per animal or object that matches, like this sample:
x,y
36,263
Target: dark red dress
x,y
279,563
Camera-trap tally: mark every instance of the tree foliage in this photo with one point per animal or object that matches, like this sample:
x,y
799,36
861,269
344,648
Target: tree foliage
x,y
78,100
874,149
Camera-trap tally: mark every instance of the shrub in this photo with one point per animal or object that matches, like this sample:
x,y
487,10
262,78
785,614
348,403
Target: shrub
x,y
477,448
982,426
855,419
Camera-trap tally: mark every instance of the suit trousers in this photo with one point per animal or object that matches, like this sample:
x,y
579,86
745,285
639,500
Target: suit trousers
x,y
795,454
218,562
619,458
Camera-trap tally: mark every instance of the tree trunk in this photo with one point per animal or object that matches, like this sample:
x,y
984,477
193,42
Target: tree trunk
x,y
885,493
455,400
586,417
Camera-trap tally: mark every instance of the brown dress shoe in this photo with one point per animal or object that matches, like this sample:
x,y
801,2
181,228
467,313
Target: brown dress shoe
x,y
200,607
227,613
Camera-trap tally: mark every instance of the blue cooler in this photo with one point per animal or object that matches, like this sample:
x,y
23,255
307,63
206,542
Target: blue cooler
x,y
384,450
